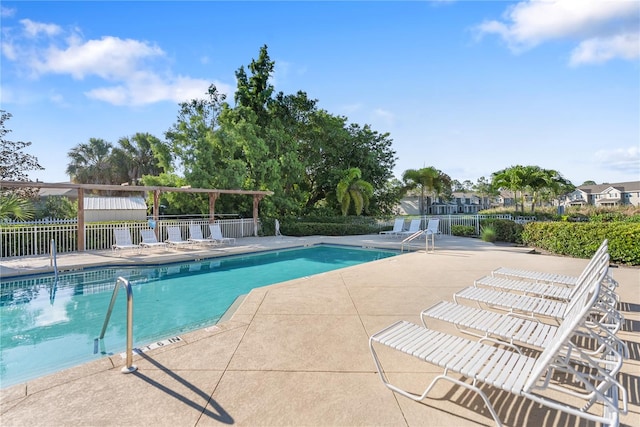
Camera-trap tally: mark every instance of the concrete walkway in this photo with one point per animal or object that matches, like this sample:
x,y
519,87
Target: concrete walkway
x,y
296,353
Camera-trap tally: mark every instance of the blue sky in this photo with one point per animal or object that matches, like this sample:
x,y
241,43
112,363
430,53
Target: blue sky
x,y
469,87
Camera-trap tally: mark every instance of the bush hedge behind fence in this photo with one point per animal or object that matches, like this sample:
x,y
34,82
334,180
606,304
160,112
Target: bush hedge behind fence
x,y
581,240
329,226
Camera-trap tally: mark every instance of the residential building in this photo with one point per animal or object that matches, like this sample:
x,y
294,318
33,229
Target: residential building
x,y
605,195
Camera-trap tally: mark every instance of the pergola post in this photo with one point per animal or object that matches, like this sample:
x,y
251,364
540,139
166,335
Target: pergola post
x,y
80,219
256,202
212,206
156,212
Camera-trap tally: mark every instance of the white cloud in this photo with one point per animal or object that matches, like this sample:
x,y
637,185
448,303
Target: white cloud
x,y
110,58
149,88
620,159
34,29
7,12
603,29
130,67
602,49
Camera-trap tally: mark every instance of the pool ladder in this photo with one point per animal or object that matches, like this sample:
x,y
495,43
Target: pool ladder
x,y
130,367
53,262
409,239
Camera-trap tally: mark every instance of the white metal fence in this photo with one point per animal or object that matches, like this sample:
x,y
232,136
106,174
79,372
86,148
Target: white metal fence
x,y
447,221
33,238
25,239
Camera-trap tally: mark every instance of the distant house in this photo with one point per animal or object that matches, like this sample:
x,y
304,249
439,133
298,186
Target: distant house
x,y
605,195
98,209
504,199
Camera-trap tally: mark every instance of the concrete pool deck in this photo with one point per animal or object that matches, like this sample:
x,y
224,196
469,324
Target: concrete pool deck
x,y
296,353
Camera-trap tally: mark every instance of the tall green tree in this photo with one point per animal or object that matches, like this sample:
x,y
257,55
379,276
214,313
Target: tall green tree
x,y
512,179
90,163
426,180
14,162
520,179
141,154
255,92
275,142
352,190
546,184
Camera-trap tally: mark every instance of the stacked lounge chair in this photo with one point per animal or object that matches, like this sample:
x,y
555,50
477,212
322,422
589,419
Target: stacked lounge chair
x,y
572,356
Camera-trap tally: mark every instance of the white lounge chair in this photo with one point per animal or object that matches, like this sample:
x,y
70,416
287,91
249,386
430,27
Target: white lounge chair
x,y
546,289
545,277
517,303
518,331
538,379
149,239
414,227
123,240
216,234
398,225
196,236
174,237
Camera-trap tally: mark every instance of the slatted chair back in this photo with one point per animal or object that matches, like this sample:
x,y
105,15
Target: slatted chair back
x,y
432,226
122,236
195,232
174,234
573,319
148,236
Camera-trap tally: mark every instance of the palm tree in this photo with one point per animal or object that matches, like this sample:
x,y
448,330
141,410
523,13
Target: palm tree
x,y
510,178
136,156
12,206
353,189
90,163
426,179
520,178
548,183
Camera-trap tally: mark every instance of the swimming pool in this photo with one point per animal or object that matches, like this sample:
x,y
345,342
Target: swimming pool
x,y
47,326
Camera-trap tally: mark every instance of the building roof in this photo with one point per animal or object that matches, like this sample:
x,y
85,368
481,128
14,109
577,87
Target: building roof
x,y
622,186
51,192
115,203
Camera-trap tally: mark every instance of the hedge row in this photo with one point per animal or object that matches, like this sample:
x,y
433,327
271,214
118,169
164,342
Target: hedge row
x,y
581,240
325,229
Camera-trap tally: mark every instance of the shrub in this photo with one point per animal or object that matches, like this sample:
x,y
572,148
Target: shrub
x,y
488,234
581,240
463,230
505,229
329,226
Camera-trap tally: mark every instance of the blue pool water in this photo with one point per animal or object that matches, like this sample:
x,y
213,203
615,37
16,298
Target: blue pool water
x,y
46,326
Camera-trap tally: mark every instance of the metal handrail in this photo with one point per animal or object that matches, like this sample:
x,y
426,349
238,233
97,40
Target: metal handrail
x,y
53,258
130,367
53,261
410,238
